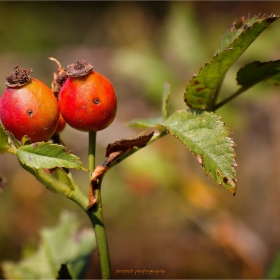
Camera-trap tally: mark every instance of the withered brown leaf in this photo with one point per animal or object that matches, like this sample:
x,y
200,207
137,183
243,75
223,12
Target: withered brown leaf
x,y
124,145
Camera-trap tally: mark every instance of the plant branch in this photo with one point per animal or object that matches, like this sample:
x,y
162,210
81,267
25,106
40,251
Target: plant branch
x,y
225,101
95,202
95,213
11,150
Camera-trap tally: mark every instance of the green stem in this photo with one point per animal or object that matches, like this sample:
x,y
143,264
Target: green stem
x,y
225,101
91,151
9,149
96,216
79,198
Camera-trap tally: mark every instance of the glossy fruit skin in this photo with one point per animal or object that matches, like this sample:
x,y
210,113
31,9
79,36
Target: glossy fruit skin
x,y
88,103
31,110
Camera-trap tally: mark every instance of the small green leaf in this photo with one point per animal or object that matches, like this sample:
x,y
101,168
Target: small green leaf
x,y
63,244
61,176
4,140
208,140
257,72
25,140
46,155
13,141
145,123
201,89
165,100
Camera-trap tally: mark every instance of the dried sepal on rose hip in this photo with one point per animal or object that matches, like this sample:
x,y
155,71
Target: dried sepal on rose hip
x,y
59,78
28,107
87,100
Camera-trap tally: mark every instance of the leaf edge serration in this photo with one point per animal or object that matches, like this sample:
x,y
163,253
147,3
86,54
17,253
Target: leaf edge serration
x,y
229,184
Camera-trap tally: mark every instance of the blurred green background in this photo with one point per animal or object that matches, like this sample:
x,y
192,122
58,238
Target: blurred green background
x,y
161,211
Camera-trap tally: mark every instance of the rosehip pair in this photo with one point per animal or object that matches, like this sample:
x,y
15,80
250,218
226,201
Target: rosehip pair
x,y
87,102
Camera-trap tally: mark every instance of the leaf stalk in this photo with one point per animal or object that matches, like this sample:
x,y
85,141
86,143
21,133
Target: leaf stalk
x,y
227,100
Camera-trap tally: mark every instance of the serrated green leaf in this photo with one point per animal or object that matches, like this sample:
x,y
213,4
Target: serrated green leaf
x,y
46,155
63,244
233,32
208,140
257,72
145,123
201,89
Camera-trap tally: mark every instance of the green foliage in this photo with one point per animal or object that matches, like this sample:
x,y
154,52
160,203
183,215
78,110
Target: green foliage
x,y
201,91
207,139
257,72
198,128
63,244
3,139
56,180
47,155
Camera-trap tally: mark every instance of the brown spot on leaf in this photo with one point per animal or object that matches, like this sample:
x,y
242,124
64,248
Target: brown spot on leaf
x,y
225,180
199,89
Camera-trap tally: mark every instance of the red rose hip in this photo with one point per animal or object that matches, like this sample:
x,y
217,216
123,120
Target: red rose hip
x,y
28,107
87,100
